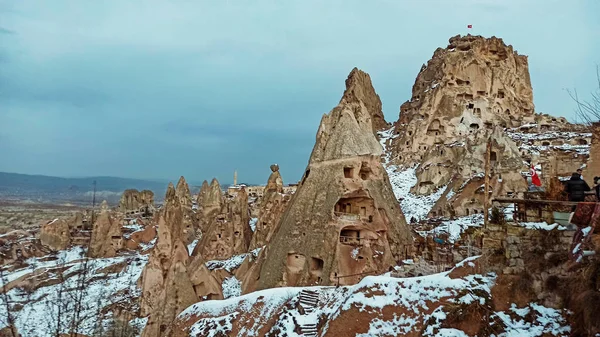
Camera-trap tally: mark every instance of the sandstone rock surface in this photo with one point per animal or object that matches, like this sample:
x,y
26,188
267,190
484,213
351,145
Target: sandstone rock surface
x,y
343,219
166,287
133,200
107,234
229,233
462,99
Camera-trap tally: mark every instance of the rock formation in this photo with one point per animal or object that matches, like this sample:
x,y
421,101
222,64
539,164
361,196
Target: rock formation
x,y
229,233
166,287
458,98
343,219
134,201
361,89
271,208
210,202
189,219
107,235
57,234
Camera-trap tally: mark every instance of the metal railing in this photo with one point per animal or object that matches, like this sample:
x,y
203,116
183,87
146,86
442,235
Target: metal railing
x,y
337,284
354,239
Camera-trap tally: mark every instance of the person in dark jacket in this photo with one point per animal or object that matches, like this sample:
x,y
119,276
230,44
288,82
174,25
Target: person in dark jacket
x,y
576,187
597,187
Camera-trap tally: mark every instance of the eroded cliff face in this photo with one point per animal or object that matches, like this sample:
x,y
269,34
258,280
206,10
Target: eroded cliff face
x,y
462,99
228,231
343,219
134,201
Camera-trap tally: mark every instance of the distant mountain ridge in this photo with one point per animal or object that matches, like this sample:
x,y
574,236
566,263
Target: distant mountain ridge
x,y
49,188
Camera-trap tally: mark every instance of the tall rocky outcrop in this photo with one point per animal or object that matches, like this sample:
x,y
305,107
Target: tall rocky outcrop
x,y
210,203
229,232
133,200
459,99
271,209
343,218
190,223
166,286
361,89
107,234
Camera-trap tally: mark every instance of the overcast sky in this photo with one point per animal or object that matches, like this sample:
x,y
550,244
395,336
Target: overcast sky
x,y
158,89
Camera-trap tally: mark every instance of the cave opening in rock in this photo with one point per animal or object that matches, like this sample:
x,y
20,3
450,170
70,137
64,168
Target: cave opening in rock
x,y
316,266
348,172
365,171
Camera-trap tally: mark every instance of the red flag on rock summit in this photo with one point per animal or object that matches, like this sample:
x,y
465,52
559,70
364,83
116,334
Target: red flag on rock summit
x,y
469,26
535,179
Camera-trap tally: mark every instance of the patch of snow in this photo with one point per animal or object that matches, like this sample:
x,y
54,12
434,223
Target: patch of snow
x,y
232,263
454,228
253,222
546,321
146,246
231,287
354,253
192,245
541,225
417,206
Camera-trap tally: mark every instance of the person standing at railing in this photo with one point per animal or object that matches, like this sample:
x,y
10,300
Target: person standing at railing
x,y
576,188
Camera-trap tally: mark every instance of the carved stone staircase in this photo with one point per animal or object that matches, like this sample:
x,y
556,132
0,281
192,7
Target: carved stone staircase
x,y
308,321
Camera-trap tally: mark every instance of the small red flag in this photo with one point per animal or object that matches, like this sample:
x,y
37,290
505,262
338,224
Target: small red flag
x,y
535,179
469,26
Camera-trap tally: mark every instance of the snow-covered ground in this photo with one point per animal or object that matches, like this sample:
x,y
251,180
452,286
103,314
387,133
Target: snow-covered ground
x,y
454,228
103,285
420,303
65,256
417,206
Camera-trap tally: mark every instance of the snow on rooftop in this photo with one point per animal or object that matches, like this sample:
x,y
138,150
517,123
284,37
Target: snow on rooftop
x,y
541,225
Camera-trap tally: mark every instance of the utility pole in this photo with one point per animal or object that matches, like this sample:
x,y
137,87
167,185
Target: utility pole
x,y
93,201
486,188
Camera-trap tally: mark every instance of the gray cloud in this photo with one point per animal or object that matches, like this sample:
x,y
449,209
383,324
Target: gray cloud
x,y
157,89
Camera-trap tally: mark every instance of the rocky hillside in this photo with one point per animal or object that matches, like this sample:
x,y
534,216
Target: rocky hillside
x,y
383,236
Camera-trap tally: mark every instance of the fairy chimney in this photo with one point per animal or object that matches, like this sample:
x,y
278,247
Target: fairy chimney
x,y
271,209
343,219
229,233
166,286
189,218
107,234
210,203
